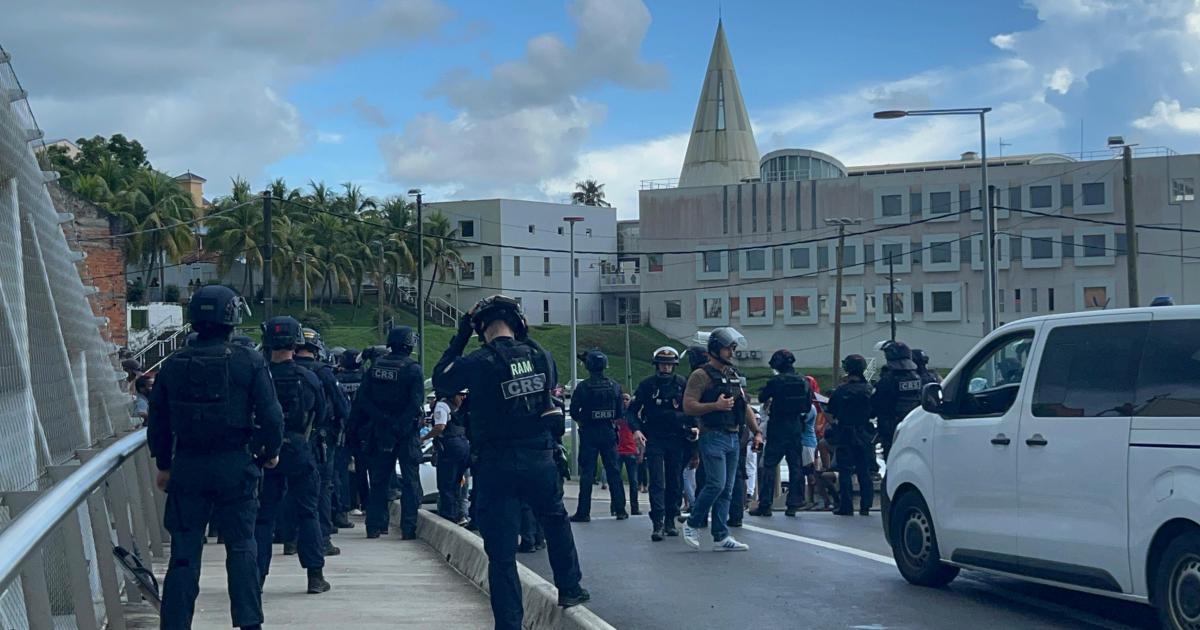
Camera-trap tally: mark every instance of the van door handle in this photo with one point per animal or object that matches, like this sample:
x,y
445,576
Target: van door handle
x,y
1001,440
1036,440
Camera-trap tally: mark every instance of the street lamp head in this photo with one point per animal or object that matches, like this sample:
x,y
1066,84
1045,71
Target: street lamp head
x,y
414,191
889,114
1116,141
572,219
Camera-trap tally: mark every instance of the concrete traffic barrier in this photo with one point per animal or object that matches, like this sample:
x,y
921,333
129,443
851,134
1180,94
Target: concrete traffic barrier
x,y
463,550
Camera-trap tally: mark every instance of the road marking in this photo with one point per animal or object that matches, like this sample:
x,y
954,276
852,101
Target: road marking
x,y
824,544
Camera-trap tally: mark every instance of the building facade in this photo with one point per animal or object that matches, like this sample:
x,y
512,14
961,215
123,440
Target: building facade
x,y
521,249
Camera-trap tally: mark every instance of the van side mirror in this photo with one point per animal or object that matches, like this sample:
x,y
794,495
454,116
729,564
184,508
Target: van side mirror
x,y
931,398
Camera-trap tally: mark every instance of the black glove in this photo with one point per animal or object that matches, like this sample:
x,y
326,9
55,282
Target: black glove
x,y
466,327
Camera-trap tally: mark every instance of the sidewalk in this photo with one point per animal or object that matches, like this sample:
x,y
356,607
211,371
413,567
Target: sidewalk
x,y
384,583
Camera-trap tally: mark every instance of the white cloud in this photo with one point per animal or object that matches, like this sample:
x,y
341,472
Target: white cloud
x,y
198,84
621,169
1169,115
527,121
330,137
1004,41
1060,80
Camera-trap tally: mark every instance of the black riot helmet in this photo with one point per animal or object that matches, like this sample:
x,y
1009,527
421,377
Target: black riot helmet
x,y
312,341
242,340
594,360
898,355
854,365
696,356
282,333
349,361
724,338
782,361
920,357
402,340
216,304
495,307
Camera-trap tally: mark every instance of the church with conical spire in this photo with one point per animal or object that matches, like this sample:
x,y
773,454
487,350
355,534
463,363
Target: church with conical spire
x,y
721,149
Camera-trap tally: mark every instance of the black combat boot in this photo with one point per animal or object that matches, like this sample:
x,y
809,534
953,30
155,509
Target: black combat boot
x,y
762,511
289,548
341,521
574,597
316,582
657,534
331,550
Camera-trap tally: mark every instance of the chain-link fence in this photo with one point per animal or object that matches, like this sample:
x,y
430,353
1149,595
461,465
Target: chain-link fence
x,y
59,389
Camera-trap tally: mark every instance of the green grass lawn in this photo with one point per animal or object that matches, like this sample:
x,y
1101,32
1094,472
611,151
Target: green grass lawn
x,y
357,330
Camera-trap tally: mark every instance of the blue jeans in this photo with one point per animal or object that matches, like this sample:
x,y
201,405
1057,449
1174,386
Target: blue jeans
x,y
719,457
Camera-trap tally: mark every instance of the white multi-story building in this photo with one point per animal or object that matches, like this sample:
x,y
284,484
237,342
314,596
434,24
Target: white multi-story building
x,y
757,252
508,256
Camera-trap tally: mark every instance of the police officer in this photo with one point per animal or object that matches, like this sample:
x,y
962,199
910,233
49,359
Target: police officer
x,y
850,434
385,423
921,358
449,435
715,396
789,399
596,405
296,479
657,410
349,376
212,413
897,392
327,433
516,431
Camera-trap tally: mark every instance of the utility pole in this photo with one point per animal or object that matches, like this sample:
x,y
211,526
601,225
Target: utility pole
x,y
268,298
841,224
574,349
416,192
1131,248
304,258
892,293
628,358
379,308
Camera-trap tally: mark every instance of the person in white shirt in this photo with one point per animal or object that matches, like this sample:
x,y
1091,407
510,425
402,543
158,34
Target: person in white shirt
x,y
453,452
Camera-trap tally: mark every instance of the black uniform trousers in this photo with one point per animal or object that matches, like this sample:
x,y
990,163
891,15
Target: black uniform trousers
x,y
324,455
222,485
600,439
382,466
506,478
294,481
531,530
856,459
665,459
780,446
454,455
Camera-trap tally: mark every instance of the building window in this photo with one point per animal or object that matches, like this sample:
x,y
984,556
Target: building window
x,y
720,102
487,266
468,271
466,229
712,265
1093,294
531,228
1041,197
1041,248
712,308
758,308
892,253
897,248
1183,189
1000,301
801,306
516,265
1094,246
656,262
561,231
712,262
1050,299
892,205
756,263
1033,300
756,260
587,232
545,310
800,257
942,252
576,267
1093,194
674,309
942,302
546,266
940,203
1016,300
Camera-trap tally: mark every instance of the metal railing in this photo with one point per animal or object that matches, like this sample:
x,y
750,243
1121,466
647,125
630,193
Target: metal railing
x,y
159,349
655,184
102,496
620,280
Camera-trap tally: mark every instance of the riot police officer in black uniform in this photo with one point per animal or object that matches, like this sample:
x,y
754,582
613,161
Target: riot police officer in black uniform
x,y
296,478
349,376
328,431
385,423
516,431
449,436
789,398
850,434
897,392
212,413
657,410
921,358
595,406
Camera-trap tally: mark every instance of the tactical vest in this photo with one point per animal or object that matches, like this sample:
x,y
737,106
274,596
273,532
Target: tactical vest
x,y
349,382
791,398
908,392
600,401
515,396
854,404
661,410
201,414
387,394
722,385
289,389
456,425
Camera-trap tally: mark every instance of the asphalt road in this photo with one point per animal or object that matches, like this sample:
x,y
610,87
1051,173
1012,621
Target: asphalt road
x,y
814,571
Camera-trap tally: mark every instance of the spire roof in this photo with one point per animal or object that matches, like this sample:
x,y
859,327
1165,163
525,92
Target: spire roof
x,y
721,149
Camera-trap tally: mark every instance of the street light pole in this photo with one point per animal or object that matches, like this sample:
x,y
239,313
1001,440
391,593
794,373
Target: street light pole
x,y
892,294
574,350
841,224
985,202
416,192
268,297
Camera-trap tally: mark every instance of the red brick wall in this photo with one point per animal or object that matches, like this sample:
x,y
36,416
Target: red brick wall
x,y
104,266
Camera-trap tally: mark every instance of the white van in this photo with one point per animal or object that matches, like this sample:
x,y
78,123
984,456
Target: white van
x,y
1063,450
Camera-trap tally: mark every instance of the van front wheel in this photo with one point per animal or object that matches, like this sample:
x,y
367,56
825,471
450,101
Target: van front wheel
x,y
914,543
1177,583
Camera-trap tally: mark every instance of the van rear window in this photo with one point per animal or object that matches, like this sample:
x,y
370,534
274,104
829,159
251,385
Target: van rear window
x,y
1168,382
1089,371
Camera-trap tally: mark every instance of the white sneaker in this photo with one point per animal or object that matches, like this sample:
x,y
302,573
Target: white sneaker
x,y
729,544
691,537
357,512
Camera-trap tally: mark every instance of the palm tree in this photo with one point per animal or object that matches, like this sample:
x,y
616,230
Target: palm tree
x,y
353,201
441,254
328,253
589,193
398,214
156,206
91,187
235,230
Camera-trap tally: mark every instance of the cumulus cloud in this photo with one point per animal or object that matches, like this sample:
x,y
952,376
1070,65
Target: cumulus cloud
x,y
199,84
369,113
621,168
1169,115
330,137
528,119
1060,80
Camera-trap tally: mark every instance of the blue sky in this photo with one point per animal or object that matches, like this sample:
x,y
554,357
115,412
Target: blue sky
x,y
521,98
